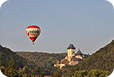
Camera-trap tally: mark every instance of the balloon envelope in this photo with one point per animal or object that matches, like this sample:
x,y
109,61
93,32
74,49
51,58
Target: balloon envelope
x,y
33,32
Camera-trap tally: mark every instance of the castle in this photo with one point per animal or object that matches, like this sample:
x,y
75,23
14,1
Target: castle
x,y
72,58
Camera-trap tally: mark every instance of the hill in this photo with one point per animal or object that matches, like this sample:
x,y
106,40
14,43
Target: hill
x,y
44,60
100,60
11,64
38,64
6,55
14,64
103,59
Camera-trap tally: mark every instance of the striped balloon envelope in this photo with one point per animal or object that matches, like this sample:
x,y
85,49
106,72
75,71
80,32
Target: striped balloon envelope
x,y
33,31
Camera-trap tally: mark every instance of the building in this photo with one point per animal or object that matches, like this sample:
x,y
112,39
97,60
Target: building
x,y
72,58
79,54
70,52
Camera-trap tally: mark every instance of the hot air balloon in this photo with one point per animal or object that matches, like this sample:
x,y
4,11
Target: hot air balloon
x,y
33,31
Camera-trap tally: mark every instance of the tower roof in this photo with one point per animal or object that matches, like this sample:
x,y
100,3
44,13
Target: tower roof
x,y
71,46
79,52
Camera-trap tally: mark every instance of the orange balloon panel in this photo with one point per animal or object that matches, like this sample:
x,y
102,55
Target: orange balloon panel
x,y
33,32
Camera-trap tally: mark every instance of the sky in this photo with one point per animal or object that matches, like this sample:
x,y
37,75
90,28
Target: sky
x,y
87,24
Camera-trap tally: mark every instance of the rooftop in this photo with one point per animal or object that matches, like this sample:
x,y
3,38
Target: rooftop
x,y
79,52
71,46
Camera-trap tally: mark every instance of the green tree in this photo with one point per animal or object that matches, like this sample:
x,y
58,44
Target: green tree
x,y
11,69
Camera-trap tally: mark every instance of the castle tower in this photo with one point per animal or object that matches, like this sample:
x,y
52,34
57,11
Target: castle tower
x,y
70,52
79,54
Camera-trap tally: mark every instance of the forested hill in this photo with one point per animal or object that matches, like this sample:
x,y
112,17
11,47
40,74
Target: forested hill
x,y
38,64
44,60
103,59
6,55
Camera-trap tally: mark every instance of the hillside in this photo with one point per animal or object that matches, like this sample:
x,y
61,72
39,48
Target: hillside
x,y
103,59
100,60
27,63
11,64
6,55
38,64
44,60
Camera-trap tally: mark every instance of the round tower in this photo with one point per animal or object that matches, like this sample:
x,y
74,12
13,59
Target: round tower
x,y
70,51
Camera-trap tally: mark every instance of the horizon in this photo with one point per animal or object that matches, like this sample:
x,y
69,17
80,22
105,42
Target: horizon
x,y
88,25
59,52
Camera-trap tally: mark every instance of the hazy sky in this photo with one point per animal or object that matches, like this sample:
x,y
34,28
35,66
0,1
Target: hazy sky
x,y
88,24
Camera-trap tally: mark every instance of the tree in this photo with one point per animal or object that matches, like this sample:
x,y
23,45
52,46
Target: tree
x,y
11,69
